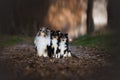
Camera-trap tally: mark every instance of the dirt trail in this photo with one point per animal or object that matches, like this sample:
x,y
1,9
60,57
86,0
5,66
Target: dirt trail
x,y
19,62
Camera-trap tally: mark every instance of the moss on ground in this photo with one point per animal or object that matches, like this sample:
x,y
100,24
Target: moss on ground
x,y
100,41
12,40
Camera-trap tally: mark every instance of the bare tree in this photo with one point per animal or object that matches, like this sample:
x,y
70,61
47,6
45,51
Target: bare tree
x,y
90,25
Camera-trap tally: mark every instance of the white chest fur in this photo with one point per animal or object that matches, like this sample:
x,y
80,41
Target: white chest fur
x,y
48,39
62,47
55,45
41,44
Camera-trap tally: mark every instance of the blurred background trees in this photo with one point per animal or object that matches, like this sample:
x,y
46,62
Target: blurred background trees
x,y
77,17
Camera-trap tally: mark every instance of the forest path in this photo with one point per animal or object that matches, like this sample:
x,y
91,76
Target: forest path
x,y
22,64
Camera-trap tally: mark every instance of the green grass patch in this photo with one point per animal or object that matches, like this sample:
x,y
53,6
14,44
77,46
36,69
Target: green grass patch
x,y
99,41
12,40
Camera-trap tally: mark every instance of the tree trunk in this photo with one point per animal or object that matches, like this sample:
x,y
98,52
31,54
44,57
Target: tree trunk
x,y
90,24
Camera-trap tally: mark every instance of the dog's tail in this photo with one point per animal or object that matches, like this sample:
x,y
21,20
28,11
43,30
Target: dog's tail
x,y
72,55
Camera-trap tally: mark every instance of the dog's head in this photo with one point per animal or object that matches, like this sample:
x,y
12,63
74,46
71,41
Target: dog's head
x,y
58,33
64,37
48,31
43,32
54,35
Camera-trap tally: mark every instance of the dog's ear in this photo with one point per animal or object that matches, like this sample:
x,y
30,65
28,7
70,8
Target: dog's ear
x,y
61,34
66,34
38,34
52,31
47,28
40,29
58,31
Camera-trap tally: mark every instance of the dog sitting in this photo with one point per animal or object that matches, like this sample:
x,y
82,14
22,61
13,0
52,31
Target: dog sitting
x,y
64,46
48,37
41,41
52,43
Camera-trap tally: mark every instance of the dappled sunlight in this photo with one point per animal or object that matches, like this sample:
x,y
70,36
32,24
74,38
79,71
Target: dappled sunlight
x,y
66,16
100,14
71,16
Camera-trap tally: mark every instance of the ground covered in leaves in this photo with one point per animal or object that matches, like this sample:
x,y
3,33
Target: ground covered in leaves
x,y
20,62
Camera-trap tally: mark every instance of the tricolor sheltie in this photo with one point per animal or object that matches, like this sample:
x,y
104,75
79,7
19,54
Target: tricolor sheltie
x,y
64,46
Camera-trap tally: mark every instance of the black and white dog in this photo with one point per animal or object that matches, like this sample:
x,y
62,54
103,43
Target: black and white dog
x,y
64,46
52,43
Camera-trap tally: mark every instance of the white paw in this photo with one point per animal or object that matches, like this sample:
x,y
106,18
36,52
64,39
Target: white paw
x,y
65,55
39,54
45,55
57,55
69,54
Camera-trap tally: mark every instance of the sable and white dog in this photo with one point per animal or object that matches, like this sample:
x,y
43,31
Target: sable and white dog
x,y
41,41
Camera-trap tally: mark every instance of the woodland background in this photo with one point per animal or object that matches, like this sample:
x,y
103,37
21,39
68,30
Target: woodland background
x,y
94,26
